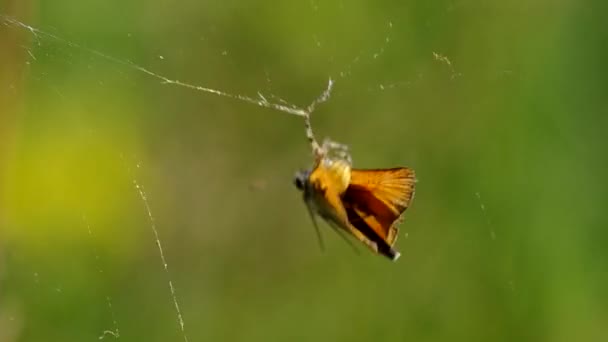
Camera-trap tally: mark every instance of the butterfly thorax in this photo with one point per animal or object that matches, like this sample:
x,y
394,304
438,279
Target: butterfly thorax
x,y
333,173
329,175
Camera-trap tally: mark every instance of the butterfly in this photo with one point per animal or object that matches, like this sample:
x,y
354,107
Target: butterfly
x,y
367,204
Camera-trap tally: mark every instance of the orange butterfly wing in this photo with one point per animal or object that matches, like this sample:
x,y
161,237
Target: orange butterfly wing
x,y
328,185
376,199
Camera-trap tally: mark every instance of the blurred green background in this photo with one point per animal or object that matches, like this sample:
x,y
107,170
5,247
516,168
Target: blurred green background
x,y
505,240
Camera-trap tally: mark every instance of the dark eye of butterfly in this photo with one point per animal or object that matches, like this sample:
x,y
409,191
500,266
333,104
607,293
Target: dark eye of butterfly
x,y
300,179
299,183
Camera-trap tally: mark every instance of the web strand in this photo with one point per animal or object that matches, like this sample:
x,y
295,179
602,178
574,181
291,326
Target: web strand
x,y
261,101
286,108
144,198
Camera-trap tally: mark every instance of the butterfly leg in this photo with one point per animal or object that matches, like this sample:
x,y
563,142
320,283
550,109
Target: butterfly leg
x,y
314,223
341,233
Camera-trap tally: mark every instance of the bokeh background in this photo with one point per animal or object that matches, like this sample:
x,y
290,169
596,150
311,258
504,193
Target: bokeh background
x,y
499,106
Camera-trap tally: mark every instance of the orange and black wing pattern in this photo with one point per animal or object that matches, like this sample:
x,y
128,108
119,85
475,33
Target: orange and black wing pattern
x,y
374,202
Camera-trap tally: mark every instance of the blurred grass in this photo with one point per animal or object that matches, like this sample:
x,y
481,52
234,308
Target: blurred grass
x,y
504,241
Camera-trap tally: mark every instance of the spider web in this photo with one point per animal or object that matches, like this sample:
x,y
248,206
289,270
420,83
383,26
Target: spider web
x,y
146,193
65,48
56,46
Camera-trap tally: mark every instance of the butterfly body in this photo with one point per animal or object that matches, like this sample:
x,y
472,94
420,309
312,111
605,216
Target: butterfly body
x,y
324,185
367,204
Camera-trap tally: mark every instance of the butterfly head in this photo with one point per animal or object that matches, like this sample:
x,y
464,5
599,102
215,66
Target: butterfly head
x,y
301,179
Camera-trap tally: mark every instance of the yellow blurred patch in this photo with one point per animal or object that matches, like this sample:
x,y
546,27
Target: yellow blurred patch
x,y
58,176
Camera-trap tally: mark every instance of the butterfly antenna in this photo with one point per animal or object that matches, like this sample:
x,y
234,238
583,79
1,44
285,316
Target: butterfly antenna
x,y
314,223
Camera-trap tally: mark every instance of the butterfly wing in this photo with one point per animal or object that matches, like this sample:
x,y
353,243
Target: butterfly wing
x,y
365,226
366,205
376,199
337,215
